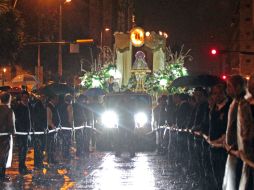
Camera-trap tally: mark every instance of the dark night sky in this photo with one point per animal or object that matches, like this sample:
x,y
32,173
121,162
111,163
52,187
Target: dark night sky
x,y
198,24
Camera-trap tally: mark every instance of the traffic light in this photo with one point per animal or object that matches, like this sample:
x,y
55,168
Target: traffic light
x,y
213,51
224,77
84,41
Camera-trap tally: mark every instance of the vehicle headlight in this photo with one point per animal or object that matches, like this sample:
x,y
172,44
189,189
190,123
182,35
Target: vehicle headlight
x,y
140,119
109,119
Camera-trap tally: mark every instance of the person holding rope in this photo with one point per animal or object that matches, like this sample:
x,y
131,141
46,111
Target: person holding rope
x,y
23,124
183,114
218,118
245,137
80,119
53,123
39,124
160,119
126,128
200,127
236,88
88,130
66,117
7,128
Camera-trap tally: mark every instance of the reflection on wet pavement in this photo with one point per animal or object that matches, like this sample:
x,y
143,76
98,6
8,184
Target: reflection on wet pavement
x,y
104,171
120,173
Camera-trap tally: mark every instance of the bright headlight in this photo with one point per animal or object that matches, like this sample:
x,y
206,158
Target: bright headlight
x,y
109,119
140,119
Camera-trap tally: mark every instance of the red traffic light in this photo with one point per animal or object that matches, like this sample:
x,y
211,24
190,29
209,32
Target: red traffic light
x,y
224,77
213,51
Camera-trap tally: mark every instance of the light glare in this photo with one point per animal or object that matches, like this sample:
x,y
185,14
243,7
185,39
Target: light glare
x,y
163,82
95,83
109,119
140,119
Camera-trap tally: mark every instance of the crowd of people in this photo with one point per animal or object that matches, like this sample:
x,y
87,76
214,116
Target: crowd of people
x,y
221,115
48,124
212,130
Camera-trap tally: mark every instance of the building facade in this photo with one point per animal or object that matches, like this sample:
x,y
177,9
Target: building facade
x,y
240,58
115,15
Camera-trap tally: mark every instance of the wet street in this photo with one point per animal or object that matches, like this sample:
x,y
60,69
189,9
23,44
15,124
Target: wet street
x,y
102,170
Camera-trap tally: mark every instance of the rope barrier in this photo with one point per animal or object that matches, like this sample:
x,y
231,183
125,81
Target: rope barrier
x,y
241,155
4,134
46,131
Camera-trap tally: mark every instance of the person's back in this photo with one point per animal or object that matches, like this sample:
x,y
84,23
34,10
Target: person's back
x,y
126,128
218,121
80,111
38,115
7,128
160,111
63,113
201,121
6,112
183,112
22,118
96,108
126,118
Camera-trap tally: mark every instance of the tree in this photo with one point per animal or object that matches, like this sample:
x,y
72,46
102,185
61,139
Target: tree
x,y
12,35
3,6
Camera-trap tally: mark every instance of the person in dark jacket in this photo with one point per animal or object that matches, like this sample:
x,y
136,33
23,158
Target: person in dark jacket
x,y
126,128
217,130
96,108
39,124
201,121
53,122
201,127
80,119
66,116
160,111
23,124
183,112
7,128
160,119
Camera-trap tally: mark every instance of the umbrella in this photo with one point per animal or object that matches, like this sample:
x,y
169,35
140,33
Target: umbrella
x,y
94,92
4,88
56,88
183,81
208,80
25,79
195,81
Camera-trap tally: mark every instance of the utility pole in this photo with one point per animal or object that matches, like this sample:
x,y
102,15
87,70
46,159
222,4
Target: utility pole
x,y
60,56
40,78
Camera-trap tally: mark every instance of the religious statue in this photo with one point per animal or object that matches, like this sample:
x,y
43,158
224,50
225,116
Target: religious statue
x,y
140,62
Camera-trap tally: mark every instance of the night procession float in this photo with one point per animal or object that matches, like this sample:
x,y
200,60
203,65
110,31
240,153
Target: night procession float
x,y
124,79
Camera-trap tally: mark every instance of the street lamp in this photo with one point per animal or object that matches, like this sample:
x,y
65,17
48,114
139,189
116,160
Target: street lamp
x,y
104,30
60,56
3,76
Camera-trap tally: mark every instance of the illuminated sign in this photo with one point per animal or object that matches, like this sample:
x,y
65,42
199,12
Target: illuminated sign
x,y
137,37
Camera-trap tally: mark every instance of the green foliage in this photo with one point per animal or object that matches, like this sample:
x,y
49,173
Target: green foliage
x,y
100,76
159,82
12,35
